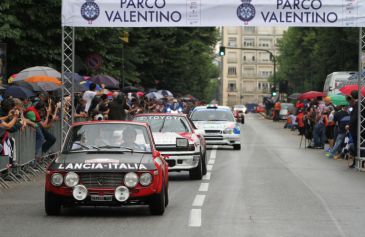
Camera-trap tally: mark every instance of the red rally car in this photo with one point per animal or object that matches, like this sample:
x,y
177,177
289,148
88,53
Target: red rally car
x,y
107,163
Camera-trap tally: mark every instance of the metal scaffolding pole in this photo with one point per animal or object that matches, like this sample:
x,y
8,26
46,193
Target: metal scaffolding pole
x,y
68,56
361,104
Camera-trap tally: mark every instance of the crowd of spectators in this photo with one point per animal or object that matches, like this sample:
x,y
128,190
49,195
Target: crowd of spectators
x,y
321,123
42,111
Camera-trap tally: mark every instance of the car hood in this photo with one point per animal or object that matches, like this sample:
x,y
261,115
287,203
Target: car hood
x,y
89,161
169,138
213,125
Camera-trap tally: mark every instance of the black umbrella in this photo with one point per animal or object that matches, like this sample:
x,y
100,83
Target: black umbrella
x,y
18,92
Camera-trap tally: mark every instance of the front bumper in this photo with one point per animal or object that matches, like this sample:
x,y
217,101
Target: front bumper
x,y
182,160
222,139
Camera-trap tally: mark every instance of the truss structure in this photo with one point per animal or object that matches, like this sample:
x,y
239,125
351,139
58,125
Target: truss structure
x,y
68,56
360,161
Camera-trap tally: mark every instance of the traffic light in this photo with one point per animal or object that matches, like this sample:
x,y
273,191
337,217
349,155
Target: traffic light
x,y
274,93
222,51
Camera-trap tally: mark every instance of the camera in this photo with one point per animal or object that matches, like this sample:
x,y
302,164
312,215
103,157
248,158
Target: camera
x,y
99,117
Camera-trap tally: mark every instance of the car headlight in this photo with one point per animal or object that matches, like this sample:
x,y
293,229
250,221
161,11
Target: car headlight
x,y
228,131
71,179
145,179
57,179
131,180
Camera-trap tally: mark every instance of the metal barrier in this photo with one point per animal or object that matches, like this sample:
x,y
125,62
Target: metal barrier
x,y
24,146
55,130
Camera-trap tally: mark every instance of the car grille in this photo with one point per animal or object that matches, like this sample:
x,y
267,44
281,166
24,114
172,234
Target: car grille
x,y
101,180
213,131
208,138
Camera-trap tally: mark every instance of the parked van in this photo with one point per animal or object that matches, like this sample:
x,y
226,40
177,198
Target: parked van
x,y
333,80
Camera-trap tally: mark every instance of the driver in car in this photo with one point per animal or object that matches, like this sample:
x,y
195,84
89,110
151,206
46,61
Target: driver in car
x,y
129,139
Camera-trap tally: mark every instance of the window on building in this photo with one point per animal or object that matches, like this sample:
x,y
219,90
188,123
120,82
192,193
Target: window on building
x,y
264,57
248,71
265,74
232,41
232,71
232,57
265,43
249,56
248,42
232,86
259,86
265,87
249,29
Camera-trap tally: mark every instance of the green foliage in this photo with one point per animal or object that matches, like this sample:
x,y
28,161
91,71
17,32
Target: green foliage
x,y
179,59
308,55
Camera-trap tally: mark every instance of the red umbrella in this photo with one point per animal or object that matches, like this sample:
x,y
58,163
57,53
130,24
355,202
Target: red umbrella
x,y
310,95
346,90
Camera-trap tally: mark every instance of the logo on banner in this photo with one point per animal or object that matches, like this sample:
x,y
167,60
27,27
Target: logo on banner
x,y
246,11
90,11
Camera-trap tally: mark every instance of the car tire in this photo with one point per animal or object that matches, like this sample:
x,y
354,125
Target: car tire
x,y
157,202
243,120
197,172
237,147
204,159
52,204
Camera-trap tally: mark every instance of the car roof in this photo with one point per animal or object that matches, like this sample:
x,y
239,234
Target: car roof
x,y
215,107
110,122
160,114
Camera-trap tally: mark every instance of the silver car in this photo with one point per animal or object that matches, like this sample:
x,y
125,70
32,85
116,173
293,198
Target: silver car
x,y
218,125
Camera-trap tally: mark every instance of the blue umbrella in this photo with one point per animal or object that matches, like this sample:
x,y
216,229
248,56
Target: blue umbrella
x,y
84,86
18,92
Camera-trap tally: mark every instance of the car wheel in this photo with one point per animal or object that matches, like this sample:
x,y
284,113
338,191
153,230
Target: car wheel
x,y
197,173
243,120
204,159
157,202
52,204
237,146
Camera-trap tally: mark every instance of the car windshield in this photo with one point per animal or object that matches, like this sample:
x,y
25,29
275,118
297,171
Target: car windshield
x,y
212,115
165,123
97,137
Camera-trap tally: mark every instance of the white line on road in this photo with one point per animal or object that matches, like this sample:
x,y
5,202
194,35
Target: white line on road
x,y
198,200
204,187
213,153
211,162
195,219
209,167
207,176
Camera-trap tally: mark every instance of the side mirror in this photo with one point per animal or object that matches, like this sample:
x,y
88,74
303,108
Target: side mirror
x,y
330,88
182,142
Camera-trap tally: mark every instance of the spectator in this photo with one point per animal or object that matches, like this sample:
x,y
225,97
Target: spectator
x,y
117,107
341,119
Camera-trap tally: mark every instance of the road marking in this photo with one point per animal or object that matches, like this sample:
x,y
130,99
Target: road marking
x,y
211,162
195,219
198,200
213,153
207,176
204,187
209,167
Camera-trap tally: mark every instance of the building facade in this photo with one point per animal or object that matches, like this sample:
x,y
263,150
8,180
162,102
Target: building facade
x,y
245,73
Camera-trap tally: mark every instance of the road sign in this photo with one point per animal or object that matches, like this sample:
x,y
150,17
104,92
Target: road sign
x,y
94,61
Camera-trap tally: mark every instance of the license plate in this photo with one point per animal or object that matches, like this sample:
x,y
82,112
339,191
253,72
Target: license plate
x,y
98,198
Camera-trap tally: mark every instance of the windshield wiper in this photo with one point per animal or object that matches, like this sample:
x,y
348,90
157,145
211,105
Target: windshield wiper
x,y
111,147
163,124
86,147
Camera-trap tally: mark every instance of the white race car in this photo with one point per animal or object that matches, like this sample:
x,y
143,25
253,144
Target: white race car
x,y
171,129
219,125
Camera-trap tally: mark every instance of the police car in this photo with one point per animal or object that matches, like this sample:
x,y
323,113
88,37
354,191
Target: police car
x,y
172,129
218,124
107,163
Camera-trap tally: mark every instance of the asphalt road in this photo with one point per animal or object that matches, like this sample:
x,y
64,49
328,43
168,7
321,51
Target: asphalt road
x,y
269,188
